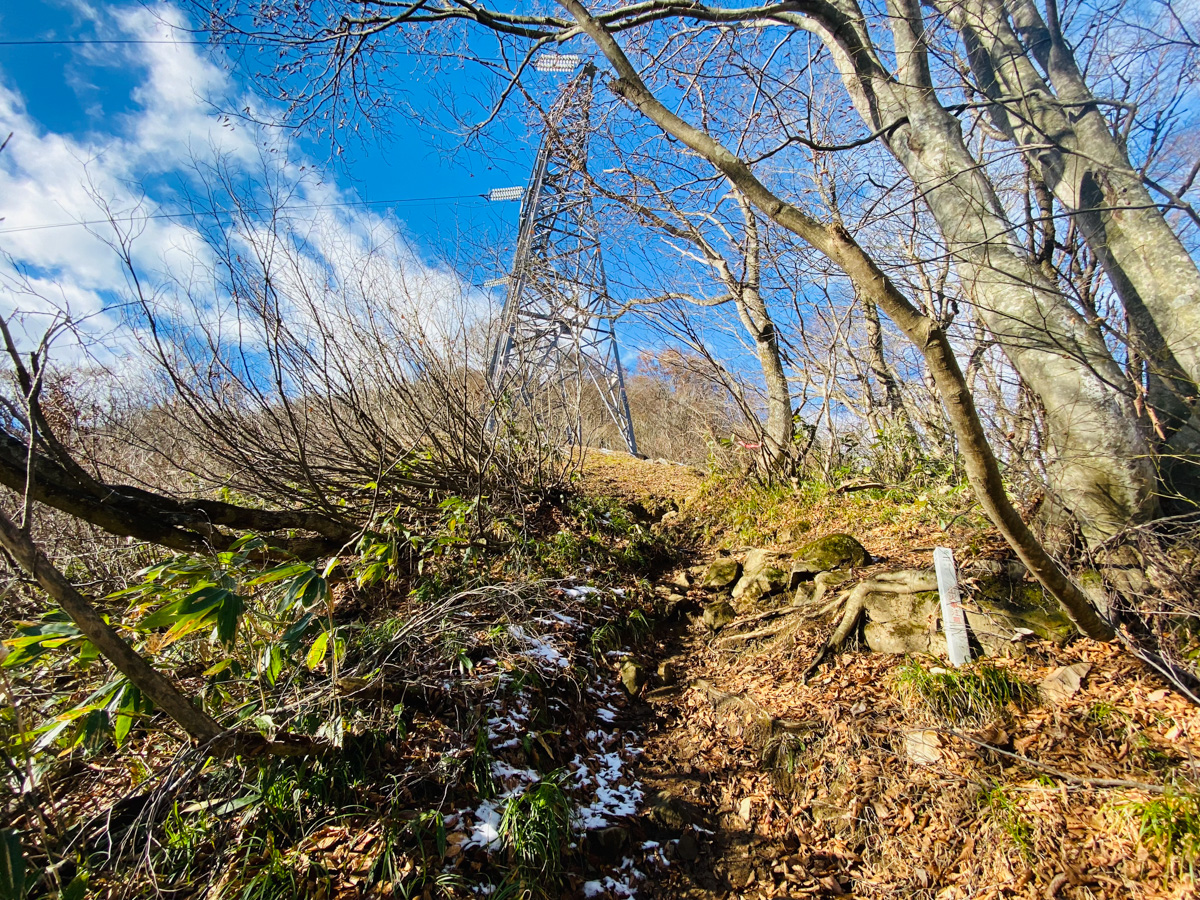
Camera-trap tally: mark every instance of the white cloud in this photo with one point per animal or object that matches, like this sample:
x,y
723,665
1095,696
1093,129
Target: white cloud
x,y
48,178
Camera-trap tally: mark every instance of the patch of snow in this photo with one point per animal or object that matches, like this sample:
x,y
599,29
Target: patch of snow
x,y
612,798
486,830
501,769
605,714
539,648
610,885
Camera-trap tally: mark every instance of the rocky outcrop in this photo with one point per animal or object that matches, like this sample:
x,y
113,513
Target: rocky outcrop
x,y
764,574
834,551
721,574
718,615
900,612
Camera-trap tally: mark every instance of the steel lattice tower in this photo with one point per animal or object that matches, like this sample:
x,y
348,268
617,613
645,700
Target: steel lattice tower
x,y
557,324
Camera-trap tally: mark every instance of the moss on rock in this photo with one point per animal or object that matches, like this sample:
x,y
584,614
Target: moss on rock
x,y
721,575
834,551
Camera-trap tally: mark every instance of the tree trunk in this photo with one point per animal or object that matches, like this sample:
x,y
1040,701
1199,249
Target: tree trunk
x,y
1069,141
188,525
1102,466
756,319
892,396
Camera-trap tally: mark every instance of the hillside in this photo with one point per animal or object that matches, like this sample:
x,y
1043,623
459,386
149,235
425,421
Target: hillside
x,y
588,712
889,777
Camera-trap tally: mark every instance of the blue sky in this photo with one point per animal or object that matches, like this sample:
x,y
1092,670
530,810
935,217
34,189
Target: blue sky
x,y
123,122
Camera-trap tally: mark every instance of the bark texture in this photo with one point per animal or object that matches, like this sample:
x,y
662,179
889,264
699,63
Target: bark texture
x,y
1103,467
756,319
1056,120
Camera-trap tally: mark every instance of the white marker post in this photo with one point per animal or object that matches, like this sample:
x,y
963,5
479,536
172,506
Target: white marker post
x,y
954,620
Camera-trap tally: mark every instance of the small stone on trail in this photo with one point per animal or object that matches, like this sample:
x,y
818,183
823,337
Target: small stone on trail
x,y
681,580
721,574
718,615
668,810
923,747
633,677
745,809
609,842
1064,682
687,848
666,671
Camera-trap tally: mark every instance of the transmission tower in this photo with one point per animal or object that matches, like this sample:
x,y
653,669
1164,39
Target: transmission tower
x,y
557,327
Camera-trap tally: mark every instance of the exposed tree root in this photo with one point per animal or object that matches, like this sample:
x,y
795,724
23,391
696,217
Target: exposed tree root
x,y
909,581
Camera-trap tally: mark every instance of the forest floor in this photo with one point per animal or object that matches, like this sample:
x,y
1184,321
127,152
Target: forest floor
x,y
878,796
488,748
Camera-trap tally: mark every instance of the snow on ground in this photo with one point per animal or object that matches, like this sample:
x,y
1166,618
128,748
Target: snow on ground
x,y
600,779
539,647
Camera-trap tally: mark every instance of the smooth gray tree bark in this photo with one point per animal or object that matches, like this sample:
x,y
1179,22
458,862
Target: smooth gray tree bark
x,y
1102,467
1055,118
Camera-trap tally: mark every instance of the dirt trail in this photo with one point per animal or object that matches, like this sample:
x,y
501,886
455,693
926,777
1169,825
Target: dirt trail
x,y
759,785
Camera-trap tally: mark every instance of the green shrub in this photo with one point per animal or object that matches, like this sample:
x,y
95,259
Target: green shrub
x,y
962,695
536,826
1170,824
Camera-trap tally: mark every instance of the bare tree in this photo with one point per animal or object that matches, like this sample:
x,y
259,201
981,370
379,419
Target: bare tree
x,y
741,284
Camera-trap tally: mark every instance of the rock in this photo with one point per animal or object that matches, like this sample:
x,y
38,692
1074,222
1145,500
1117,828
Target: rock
x,y
1012,569
721,574
767,582
666,672
904,623
718,615
804,595
1064,682
633,677
668,810
764,573
1000,614
756,563
746,809
1000,609
608,843
834,551
674,605
687,847
923,747
681,580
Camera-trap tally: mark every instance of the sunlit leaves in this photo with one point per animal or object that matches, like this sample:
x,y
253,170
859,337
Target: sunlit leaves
x,y
316,653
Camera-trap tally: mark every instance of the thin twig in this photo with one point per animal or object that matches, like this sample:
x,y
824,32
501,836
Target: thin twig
x,y
1057,773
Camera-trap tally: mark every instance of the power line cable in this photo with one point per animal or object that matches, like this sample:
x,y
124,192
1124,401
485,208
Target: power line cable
x,y
200,214
38,42
223,42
